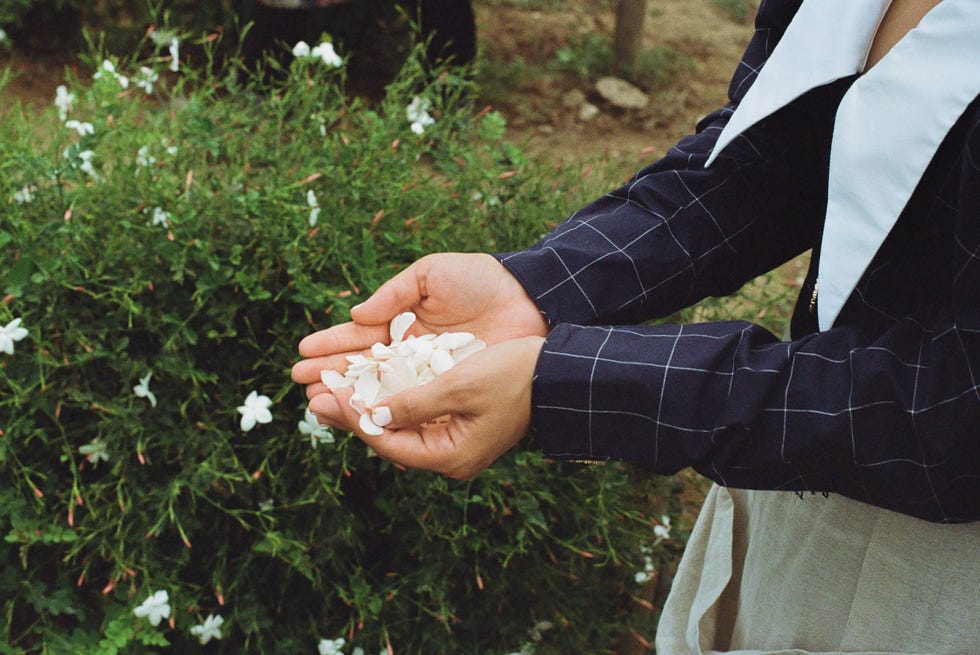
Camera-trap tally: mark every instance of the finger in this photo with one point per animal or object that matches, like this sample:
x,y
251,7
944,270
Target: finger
x,y
332,411
427,448
307,371
399,294
417,405
316,389
343,338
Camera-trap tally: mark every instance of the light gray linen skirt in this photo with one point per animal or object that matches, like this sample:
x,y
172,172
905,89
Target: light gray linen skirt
x,y
770,573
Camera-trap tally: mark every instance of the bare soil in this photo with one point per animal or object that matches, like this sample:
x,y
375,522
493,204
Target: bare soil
x,y
707,39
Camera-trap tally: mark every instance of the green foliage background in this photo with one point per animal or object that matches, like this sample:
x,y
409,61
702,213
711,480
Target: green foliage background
x,y
290,544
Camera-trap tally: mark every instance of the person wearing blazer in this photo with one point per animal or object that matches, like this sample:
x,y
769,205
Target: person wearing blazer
x,y
846,455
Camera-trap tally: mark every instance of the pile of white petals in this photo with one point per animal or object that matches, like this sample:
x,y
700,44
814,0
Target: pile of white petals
x,y
404,363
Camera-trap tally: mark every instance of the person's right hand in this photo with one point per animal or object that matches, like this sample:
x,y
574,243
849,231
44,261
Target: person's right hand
x,y
448,292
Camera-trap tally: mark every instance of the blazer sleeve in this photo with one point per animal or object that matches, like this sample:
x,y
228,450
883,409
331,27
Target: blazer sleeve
x,y
889,419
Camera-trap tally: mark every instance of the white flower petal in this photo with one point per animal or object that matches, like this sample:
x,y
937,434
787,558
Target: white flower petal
x,y
381,416
471,348
367,387
333,380
368,427
453,340
400,325
441,361
301,49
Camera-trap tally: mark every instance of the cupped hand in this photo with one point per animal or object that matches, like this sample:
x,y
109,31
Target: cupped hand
x,y
448,292
457,424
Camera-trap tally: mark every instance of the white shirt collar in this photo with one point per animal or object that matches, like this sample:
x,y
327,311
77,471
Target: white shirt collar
x,y
905,104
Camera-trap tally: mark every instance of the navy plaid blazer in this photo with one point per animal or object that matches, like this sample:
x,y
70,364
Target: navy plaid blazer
x,y
884,407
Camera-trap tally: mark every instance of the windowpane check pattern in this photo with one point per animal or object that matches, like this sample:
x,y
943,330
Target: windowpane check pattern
x,y
884,407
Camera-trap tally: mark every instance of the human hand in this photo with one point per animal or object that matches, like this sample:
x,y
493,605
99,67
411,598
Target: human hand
x,y
460,422
449,292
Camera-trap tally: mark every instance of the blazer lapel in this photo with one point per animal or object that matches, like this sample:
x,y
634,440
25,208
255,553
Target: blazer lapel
x,y
888,127
825,41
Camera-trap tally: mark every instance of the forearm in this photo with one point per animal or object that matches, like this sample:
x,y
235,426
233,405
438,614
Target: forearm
x,y
892,423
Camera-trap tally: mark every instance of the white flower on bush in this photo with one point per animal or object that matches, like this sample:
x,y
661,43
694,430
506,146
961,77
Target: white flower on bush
x,y
95,451
646,575
402,364
327,54
155,608
25,195
210,629
331,646
301,49
255,410
82,128
314,206
142,390
63,100
146,79
108,69
144,158
662,531
10,333
312,428
324,52
83,160
174,48
417,113
161,217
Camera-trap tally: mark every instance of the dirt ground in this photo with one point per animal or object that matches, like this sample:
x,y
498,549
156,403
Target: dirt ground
x,y
708,40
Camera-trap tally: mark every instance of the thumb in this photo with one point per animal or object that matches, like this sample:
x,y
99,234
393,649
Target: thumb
x,y
417,405
399,294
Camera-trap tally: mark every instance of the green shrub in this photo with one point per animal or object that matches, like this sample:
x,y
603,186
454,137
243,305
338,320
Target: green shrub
x,y
164,266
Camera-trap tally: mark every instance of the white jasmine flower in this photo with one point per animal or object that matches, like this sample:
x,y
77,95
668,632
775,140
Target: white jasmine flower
x,y
331,646
327,54
161,217
25,195
10,333
147,78
94,451
108,69
155,608
255,410
404,363
314,206
144,158
301,49
210,629
174,48
646,575
80,127
63,100
312,428
142,390
86,166
417,113
662,531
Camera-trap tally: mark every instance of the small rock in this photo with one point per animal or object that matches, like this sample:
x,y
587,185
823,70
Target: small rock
x,y
573,99
587,112
622,94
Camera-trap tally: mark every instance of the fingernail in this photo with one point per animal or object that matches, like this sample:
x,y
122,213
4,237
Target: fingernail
x,y
381,416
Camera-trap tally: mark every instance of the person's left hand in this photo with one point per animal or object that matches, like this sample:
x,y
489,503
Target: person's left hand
x,y
460,422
